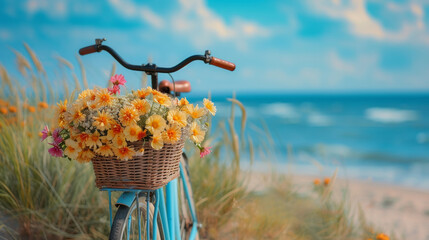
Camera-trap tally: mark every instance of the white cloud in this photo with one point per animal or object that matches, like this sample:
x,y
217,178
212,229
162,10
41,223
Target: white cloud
x,y
362,24
132,10
53,8
5,35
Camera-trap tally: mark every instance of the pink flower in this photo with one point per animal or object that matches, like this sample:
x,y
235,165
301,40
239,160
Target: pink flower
x,y
114,90
118,79
45,133
56,136
55,150
204,151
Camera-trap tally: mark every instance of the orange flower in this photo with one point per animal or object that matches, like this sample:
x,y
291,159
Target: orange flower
x,y
140,152
85,156
155,123
105,150
103,98
183,102
43,105
3,110
77,116
115,130
172,134
143,93
13,109
142,134
119,141
197,135
178,117
94,140
162,99
62,107
102,121
210,106
128,116
82,138
72,150
382,236
194,112
124,153
31,109
141,105
132,132
326,181
316,181
157,141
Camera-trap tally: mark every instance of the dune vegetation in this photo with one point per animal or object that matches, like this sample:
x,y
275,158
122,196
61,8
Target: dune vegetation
x,y
42,197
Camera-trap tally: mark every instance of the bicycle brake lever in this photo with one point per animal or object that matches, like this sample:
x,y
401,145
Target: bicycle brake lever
x,y
99,41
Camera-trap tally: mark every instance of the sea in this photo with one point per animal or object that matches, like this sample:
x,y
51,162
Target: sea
x,y
377,137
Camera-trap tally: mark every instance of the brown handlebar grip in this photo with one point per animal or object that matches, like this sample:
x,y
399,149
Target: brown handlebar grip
x,y
222,64
88,50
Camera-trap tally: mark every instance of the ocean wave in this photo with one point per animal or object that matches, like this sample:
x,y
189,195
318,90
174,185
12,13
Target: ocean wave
x,y
279,109
390,115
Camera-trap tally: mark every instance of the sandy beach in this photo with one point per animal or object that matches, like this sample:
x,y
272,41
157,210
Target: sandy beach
x,y
392,209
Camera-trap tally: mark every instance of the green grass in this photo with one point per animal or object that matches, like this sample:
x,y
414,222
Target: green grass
x,y
54,198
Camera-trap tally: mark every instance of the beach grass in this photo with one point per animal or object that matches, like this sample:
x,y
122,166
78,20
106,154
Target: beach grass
x,y
49,198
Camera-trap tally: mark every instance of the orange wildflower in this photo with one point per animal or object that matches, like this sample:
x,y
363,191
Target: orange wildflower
x,y
13,109
155,123
178,117
197,135
119,141
104,98
124,153
94,140
382,236
77,115
143,93
43,105
3,110
62,107
194,112
141,105
102,121
172,134
105,150
142,134
85,156
210,106
128,116
115,130
82,138
132,132
72,150
326,181
157,142
183,102
316,181
31,109
162,99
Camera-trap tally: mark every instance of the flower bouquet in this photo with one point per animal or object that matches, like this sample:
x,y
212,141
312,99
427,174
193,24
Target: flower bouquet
x,y
133,140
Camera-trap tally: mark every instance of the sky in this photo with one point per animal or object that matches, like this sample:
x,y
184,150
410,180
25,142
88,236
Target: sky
x,y
278,46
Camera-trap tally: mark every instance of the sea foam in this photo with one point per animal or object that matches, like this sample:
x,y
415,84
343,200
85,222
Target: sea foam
x,y
390,115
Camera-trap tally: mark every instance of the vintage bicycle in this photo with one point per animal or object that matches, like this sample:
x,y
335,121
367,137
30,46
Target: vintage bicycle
x,y
155,213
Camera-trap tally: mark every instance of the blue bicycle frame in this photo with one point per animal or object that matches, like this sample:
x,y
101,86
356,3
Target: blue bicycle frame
x,y
167,207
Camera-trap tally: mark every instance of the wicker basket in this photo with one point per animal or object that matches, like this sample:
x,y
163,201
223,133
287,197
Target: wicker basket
x,y
151,171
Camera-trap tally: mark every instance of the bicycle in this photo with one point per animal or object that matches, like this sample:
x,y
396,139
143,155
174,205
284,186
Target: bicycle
x,y
162,217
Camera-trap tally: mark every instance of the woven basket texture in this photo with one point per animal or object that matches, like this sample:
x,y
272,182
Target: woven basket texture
x,y
151,171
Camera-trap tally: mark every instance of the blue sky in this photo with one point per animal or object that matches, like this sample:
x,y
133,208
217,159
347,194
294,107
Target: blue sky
x,y
285,46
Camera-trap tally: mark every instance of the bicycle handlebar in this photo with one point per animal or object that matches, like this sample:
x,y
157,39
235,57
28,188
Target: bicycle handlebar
x,y
151,68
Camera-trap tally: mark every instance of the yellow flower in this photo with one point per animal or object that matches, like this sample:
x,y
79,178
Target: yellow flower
x,y
115,130
143,93
210,106
124,153
85,156
43,105
105,150
326,181
141,105
102,121
132,132
157,142
72,149
94,140
194,112
183,102
128,115
197,135
162,99
155,123
172,134
62,107
316,181
119,141
84,95
178,117
103,98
